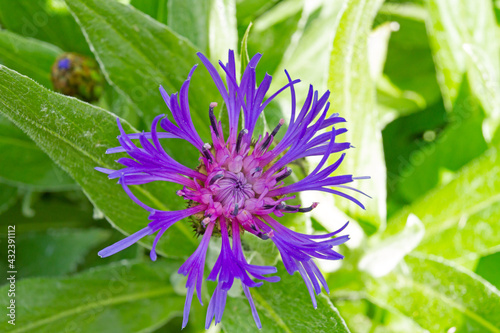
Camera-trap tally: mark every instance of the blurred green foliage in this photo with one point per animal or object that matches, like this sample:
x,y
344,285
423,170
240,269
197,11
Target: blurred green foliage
x,y
418,82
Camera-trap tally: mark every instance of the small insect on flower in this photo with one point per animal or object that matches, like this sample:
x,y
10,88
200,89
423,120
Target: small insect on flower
x,y
239,184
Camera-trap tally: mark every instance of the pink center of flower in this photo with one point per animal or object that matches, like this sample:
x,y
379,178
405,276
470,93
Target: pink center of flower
x,y
233,190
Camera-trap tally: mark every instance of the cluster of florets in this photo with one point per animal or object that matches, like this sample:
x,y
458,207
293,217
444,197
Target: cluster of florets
x,y
239,184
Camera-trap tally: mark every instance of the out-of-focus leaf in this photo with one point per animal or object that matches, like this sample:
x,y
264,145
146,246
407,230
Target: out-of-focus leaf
x,y
76,135
248,10
22,163
364,315
308,54
353,96
489,269
272,32
189,18
273,302
420,146
460,218
439,295
46,20
410,81
137,54
28,56
8,195
51,211
464,39
385,255
124,297
54,253
157,9
223,32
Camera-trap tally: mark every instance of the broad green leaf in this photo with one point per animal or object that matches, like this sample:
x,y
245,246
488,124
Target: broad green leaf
x,y
22,163
190,19
464,40
123,297
28,56
76,135
353,96
8,196
54,253
223,33
46,20
460,218
284,306
439,296
138,54
157,9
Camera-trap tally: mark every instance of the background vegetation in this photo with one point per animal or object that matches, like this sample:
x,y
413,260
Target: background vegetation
x,y
418,81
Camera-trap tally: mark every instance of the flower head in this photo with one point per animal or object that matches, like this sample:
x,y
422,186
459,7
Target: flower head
x,y
239,185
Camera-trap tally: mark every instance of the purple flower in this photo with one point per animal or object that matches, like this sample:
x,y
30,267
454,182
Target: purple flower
x,y
239,183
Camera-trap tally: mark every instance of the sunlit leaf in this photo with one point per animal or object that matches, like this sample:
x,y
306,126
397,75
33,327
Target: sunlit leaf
x,y
353,96
460,218
223,34
440,296
464,39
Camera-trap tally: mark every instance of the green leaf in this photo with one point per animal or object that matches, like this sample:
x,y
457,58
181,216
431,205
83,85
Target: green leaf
x,y
488,268
124,297
51,211
76,135
8,196
381,258
460,218
244,57
46,20
55,252
28,56
157,9
189,18
23,164
138,54
363,314
353,96
419,147
223,31
464,39
272,33
312,40
410,82
284,306
439,295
